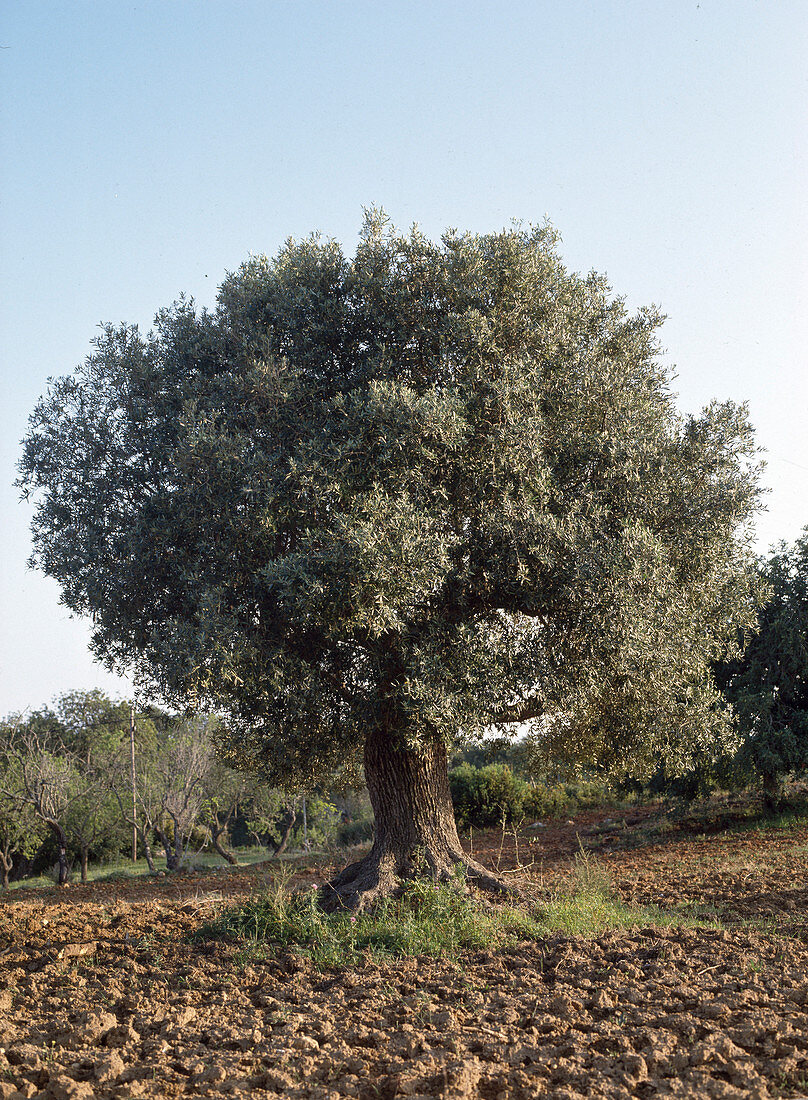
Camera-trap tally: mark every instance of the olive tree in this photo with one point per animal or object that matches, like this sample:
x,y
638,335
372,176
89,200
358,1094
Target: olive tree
x,y
182,770
367,504
175,763
140,803
768,684
271,816
225,792
91,723
49,783
21,830
92,820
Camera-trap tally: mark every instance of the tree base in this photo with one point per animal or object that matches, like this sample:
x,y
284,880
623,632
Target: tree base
x,y
382,874
415,830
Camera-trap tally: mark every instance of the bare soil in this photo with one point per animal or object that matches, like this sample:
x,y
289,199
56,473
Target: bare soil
x,y
103,994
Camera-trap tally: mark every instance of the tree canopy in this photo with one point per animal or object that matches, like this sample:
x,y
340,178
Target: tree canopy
x,y
427,490
768,683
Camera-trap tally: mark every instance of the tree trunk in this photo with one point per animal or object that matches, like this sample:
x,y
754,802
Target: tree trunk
x,y
22,868
286,832
61,845
415,831
178,846
83,864
172,860
147,852
215,833
772,791
6,863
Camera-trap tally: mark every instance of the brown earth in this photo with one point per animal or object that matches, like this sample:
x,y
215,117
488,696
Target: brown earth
x,y
102,994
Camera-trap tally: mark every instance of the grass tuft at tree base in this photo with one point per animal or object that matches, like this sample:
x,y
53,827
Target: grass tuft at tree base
x,y
429,919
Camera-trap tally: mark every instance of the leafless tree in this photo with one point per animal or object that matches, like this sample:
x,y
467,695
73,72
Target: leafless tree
x,y
21,831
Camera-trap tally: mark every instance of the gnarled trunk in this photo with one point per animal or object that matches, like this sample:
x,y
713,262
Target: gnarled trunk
x,y
147,852
415,830
289,822
61,847
772,791
226,855
173,857
179,845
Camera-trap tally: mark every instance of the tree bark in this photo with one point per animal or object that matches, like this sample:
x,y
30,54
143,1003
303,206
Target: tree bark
x,y
215,834
147,852
286,831
415,830
772,791
6,863
172,859
61,845
83,864
179,850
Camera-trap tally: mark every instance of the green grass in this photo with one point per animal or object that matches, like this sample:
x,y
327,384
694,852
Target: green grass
x,y
427,920
740,813
125,869
790,817
434,920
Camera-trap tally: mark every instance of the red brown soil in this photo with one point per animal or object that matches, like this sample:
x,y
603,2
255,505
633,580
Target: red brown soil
x,y
102,993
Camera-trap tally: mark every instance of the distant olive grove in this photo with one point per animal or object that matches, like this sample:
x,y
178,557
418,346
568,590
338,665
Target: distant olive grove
x,y
91,779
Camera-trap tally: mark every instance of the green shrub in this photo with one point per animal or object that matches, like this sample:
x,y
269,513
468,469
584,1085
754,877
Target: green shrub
x,y
322,824
589,792
462,784
351,833
486,796
543,801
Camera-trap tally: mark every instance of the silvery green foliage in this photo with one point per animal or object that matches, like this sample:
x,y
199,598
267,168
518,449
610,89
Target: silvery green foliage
x,y
436,487
768,684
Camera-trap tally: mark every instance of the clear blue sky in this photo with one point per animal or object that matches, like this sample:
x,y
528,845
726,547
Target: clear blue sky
x,y
148,148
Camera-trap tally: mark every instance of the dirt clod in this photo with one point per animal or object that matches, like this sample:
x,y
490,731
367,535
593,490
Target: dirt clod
x,y
106,996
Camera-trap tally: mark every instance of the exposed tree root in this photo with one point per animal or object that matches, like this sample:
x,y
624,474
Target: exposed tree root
x,y
381,874
415,829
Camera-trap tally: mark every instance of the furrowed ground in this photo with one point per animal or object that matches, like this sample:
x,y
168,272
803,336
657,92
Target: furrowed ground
x,y
106,992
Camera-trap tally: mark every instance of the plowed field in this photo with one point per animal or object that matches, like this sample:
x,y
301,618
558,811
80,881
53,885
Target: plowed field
x,y
105,995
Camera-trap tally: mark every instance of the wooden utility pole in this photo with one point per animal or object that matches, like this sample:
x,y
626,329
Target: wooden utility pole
x,y
132,772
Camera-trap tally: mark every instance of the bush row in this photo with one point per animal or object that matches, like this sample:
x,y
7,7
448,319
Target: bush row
x,y
492,794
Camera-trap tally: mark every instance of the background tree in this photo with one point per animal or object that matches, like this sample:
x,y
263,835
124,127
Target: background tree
x,y
768,684
91,723
225,792
174,768
51,781
21,831
271,815
181,772
367,504
92,822
143,814
92,728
